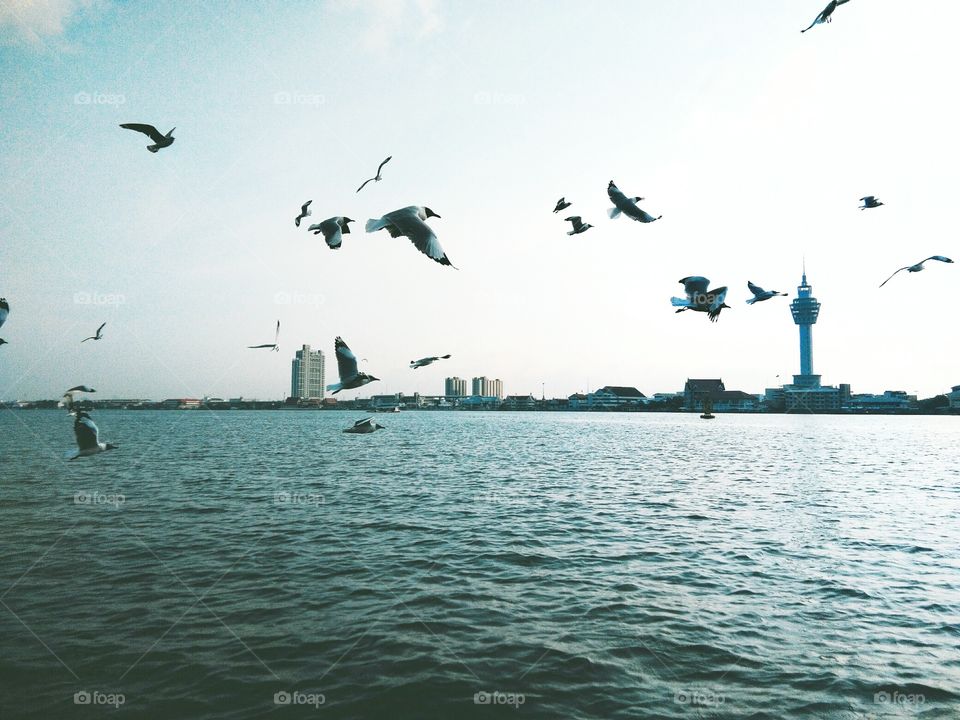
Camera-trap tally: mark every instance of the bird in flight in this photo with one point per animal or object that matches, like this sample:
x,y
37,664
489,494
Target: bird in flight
x,y
97,336
273,346
375,178
759,294
410,222
333,230
627,206
578,225
562,204
160,141
364,426
918,267
88,436
825,14
4,311
699,299
869,202
350,377
304,212
414,364
67,400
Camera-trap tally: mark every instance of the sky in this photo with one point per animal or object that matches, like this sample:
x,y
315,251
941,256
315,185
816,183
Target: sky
x,y
754,141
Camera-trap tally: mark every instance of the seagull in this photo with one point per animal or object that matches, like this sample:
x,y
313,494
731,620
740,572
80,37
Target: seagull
x,y
332,229
67,399
562,204
273,346
869,202
578,225
759,294
376,178
824,16
160,141
3,342
4,311
364,426
98,336
304,212
414,364
627,206
350,377
700,299
88,436
918,267
410,222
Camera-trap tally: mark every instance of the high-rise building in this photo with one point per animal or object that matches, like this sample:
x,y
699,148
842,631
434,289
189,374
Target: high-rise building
x,y
455,387
495,388
306,374
485,387
805,309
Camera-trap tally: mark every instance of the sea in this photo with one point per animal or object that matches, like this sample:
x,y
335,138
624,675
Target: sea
x,y
263,564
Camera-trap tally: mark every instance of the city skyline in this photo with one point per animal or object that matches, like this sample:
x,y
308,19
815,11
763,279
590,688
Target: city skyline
x,y
189,253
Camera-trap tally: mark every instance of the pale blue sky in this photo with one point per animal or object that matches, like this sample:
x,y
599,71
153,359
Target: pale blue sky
x,y
754,142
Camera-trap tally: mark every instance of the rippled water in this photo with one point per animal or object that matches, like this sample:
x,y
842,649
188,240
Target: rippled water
x,y
579,565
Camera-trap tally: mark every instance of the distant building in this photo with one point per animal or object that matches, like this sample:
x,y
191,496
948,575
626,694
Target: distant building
x,y
577,401
890,401
735,401
455,387
695,390
615,396
306,374
519,402
480,402
181,403
953,397
485,387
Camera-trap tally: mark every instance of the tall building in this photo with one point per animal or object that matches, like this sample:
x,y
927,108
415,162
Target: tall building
x,y
306,374
479,386
805,309
495,388
455,387
485,387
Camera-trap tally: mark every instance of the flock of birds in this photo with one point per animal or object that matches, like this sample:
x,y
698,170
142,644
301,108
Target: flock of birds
x,y
411,222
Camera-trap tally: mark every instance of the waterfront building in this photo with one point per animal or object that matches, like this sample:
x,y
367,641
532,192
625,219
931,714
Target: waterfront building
x,y
307,374
696,390
455,387
519,402
480,402
734,401
577,401
611,397
486,387
953,398
890,401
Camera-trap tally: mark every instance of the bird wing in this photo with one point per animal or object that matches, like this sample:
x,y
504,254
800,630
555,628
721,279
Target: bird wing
x,y
576,220
891,277
276,335
719,295
617,197
365,421
941,258
4,311
380,167
257,347
643,215
331,232
868,199
365,184
408,223
695,285
346,360
87,433
80,388
99,329
148,130
755,289
304,209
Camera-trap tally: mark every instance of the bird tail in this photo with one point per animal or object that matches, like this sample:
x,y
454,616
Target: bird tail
x,y
335,388
613,213
152,148
571,232
679,302
374,225
751,301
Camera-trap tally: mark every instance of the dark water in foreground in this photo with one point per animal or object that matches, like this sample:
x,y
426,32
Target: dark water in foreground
x,y
580,566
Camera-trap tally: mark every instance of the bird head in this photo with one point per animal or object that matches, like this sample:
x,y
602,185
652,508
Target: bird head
x,y
445,357
430,213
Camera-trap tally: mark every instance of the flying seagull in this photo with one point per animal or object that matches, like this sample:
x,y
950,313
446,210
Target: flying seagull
x,y
350,377
562,204
273,346
304,212
869,202
4,311
414,364
700,299
3,342
918,267
627,206
824,16
364,426
333,230
578,225
377,177
759,294
98,336
160,141
410,222
67,399
88,436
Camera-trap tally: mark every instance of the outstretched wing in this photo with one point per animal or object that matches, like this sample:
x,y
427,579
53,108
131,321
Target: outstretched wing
x,y
148,130
408,223
694,285
346,360
87,433
941,258
365,421
4,310
755,289
576,220
719,295
100,329
380,167
365,184
891,277
257,347
276,335
331,232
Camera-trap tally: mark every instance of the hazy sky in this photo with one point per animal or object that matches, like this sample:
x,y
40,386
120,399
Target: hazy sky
x,y
753,140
